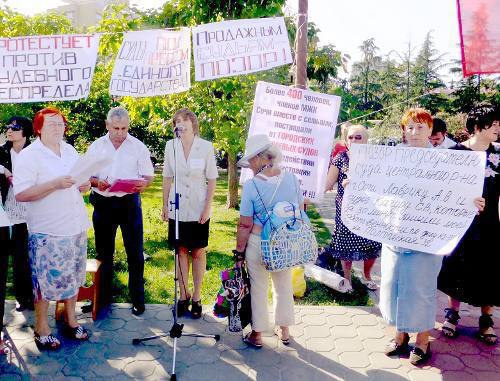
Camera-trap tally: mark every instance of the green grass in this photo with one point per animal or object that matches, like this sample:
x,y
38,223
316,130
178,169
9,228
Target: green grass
x,y
159,267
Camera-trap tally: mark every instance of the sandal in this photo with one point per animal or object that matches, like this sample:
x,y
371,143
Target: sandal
x,y
196,309
419,357
450,323
183,306
47,343
278,332
4,349
76,333
370,284
486,322
250,342
395,349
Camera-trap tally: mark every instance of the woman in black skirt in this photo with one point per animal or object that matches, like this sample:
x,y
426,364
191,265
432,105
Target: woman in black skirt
x,y
4,261
469,273
192,160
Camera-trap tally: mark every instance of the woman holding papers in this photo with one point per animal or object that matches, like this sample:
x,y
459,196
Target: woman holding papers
x,y
409,277
57,221
469,274
345,245
192,160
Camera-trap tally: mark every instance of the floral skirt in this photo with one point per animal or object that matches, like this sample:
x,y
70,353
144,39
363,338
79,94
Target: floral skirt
x,y
57,265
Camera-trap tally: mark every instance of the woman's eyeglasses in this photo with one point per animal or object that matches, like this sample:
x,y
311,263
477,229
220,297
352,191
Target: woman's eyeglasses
x,y
14,127
356,137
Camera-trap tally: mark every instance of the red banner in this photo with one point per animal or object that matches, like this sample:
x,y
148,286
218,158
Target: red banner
x,y
479,36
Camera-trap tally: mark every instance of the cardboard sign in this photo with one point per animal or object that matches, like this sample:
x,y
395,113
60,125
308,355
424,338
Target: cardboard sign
x,y
416,198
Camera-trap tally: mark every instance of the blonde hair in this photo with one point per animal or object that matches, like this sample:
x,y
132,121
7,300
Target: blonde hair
x,y
344,127
358,128
186,113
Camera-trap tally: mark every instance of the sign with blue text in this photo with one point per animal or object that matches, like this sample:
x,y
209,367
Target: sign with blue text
x,y
302,124
416,198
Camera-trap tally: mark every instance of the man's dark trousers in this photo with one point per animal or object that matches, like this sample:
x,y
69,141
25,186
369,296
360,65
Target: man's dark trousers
x,y
125,212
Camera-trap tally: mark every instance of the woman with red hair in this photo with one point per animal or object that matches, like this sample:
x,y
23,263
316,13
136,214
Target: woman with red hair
x,y
409,277
57,222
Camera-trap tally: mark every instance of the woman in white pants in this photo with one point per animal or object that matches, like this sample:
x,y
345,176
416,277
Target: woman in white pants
x,y
269,185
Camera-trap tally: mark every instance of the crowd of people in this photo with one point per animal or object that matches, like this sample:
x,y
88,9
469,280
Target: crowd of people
x,y
48,233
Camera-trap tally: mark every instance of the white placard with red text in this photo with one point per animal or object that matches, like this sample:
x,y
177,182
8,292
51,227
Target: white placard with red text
x,y
238,47
47,68
302,123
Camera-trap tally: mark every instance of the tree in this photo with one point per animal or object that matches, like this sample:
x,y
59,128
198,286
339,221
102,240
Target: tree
x,y
365,81
426,76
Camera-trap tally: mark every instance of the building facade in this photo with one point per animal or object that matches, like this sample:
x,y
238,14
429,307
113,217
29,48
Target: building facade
x,y
84,13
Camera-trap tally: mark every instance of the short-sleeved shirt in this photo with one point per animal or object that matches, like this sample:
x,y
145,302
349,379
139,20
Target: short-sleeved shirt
x,y
192,175
130,161
62,212
447,143
16,211
251,203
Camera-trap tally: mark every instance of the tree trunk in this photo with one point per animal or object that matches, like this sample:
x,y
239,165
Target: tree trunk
x,y
232,174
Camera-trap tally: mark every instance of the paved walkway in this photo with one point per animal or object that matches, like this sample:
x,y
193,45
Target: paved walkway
x,y
329,343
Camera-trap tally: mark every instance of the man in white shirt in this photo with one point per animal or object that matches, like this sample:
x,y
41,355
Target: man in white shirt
x,y
19,129
439,131
131,160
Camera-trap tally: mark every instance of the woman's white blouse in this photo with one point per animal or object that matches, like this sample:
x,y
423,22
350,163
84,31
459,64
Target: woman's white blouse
x,y
62,212
192,176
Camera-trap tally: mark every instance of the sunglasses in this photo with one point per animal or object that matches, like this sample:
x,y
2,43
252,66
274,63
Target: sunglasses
x,y
356,137
14,127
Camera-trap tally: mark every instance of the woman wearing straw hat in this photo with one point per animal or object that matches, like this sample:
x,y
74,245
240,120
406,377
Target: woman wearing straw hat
x,y
269,185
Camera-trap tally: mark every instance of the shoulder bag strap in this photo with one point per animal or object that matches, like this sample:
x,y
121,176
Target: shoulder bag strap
x,y
270,201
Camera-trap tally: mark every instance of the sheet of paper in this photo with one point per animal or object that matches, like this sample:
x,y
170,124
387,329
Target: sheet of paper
x,y
87,166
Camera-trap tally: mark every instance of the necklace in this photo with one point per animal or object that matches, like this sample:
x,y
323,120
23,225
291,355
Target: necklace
x,y
263,168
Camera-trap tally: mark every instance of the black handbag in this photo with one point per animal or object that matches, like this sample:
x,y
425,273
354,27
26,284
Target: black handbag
x,y
233,299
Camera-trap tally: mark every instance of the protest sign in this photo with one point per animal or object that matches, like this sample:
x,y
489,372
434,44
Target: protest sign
x,y
302,123
416,198
152,62
237,47
47,68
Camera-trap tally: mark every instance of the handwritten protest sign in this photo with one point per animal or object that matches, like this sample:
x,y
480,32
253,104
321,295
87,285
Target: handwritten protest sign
x,y
239,47
152,62
416,198
47,68
302,123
